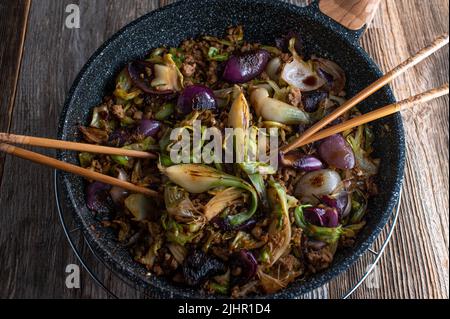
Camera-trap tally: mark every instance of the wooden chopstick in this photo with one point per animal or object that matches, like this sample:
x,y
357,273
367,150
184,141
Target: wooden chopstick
x,y
437,44
377,114
74,146
49,161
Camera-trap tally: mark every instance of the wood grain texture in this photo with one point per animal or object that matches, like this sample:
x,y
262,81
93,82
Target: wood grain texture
x,y
33,249
10,58
353,14
415,264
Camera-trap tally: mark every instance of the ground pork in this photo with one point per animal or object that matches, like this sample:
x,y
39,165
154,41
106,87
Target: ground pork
x,y
189,66
318,259
118,111
295,97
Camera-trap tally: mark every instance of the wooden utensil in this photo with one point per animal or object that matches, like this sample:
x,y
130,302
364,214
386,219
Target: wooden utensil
x,y
74,146
86,173
437,44
377,114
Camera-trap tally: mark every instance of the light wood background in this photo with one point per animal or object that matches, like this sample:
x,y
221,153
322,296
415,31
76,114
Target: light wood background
x,y
39,59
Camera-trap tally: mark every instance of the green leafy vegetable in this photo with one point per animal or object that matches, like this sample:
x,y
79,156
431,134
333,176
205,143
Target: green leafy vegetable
x,y
85,159
350,231
214,54
166,110
328,235
359,207
123,87
198,178
258,183
218,288
176,232
358,141
145,145
280,228
177,56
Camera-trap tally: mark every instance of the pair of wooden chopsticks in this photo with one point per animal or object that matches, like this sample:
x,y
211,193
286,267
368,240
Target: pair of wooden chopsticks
x,y
82,147
309,136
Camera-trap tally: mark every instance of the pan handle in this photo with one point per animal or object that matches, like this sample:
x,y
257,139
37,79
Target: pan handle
x,y
354,15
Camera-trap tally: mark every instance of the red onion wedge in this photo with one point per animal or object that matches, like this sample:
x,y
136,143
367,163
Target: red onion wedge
x,y
336,151
245,67
149,128
196,97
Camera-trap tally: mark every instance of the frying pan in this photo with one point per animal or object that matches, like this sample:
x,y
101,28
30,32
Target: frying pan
x,y
263,21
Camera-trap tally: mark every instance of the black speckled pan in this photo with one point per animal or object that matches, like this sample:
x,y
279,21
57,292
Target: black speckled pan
x,y
263,20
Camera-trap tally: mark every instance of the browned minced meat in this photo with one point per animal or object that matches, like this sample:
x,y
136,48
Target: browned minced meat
x,y
318,259
138,115
212,73
118,111
221,252
289,263
287,176
239,292
295,97
297,237
189,66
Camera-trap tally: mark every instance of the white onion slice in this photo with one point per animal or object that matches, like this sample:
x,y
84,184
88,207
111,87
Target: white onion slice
x,y
302,76
316,184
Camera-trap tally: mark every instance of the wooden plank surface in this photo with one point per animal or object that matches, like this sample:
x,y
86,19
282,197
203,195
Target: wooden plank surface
x,y
10,58
33,249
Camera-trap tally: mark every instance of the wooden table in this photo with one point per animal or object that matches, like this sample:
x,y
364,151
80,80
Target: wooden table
x,y
39,59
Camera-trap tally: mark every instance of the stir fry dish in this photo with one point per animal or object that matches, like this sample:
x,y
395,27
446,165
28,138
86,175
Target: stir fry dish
x,y
235,228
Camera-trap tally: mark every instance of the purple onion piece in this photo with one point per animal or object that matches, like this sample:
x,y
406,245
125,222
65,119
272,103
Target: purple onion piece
x,y
148,128
311,100
141,74
329,201
117,193
335,151
245,67
247,263
341,202
325,217
119,137
282,43
196,97
332,73
326,76
306,163
97,198
331,217
314,215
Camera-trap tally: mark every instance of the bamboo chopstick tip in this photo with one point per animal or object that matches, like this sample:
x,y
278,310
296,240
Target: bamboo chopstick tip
x,y
442,38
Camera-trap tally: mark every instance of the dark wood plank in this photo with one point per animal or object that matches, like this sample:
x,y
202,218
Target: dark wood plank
x,y
12,34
